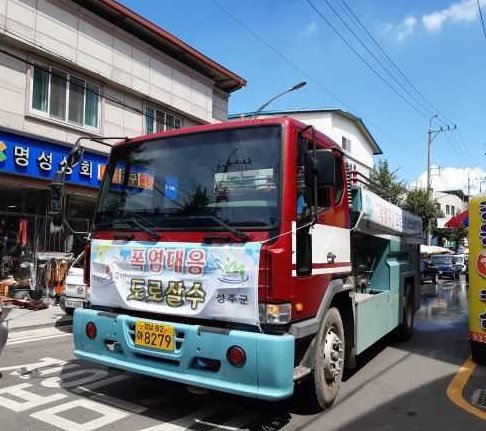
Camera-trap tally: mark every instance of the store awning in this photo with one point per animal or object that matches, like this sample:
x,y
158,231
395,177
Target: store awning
x,y
433,249
456,221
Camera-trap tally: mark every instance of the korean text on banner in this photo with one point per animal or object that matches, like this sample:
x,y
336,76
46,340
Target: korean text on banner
x,y
218,282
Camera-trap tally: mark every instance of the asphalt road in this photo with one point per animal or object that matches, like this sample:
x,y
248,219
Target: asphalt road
x,y
396,386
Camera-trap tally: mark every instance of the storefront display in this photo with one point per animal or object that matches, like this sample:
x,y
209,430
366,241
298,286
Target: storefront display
x,y
34,254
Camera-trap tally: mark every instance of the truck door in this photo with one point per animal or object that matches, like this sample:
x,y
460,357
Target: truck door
x,y
302,250
331,235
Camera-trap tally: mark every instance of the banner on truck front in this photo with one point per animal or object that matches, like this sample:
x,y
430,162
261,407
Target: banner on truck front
x,y
208,281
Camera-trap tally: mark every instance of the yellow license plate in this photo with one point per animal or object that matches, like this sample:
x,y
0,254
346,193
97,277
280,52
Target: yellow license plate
x,y
154,335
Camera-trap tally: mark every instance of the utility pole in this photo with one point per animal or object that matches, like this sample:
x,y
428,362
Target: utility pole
x,y
431,135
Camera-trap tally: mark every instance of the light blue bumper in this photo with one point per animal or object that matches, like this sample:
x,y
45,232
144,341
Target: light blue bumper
x,y
267,373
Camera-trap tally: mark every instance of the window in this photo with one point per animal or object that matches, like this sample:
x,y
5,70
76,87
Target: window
x,y
63,97
452,210
346,144
447,209
160,121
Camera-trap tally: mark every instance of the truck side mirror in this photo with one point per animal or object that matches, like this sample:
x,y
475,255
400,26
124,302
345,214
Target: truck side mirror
x,y
309,169
326,165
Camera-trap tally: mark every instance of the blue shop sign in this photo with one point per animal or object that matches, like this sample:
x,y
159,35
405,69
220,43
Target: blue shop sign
x,y
33,158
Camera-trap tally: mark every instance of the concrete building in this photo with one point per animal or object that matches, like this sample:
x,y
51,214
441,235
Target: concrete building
x,y
71,68
344,128
451,203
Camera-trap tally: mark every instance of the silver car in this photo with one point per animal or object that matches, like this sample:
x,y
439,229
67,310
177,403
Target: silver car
x,y
3,328
75,293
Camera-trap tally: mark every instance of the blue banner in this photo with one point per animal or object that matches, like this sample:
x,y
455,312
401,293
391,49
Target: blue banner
x,y
33,158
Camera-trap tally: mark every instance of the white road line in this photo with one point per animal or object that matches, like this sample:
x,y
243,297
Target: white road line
x,y
233,424
31,340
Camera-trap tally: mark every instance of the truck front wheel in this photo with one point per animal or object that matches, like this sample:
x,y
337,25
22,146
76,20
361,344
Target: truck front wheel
x,y
323,385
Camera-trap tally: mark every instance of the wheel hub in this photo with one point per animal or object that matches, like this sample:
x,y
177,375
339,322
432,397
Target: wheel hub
x,y
333,355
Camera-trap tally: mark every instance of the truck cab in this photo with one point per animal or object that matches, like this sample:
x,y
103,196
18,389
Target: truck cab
x,y
228,257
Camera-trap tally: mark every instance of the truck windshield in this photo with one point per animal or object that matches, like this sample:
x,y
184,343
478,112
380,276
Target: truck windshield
x,y
194,181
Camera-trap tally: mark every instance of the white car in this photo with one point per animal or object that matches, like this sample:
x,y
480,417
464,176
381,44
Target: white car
x,y
459,261
75,293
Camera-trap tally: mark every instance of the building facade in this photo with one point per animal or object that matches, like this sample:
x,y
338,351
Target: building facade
x,y
450,204
344,128
73,68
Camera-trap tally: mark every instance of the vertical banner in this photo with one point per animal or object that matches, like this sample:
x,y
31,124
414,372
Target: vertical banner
x,y
477,270
218,282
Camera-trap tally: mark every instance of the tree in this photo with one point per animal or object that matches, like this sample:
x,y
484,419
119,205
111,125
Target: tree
x,y
455,235
389,187
420,202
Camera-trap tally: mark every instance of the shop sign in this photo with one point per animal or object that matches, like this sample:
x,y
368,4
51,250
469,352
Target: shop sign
x,y
33,158
477,269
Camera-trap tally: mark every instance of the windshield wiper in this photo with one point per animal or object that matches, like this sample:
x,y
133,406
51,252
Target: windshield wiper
x,y
242,236
143,224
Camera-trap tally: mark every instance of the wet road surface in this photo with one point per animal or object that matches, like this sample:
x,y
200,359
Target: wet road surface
x,y
397,386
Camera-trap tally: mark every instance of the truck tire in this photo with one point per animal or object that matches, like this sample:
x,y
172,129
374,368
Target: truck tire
x,y
405,329
322,387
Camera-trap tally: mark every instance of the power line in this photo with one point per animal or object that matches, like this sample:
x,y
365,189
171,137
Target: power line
x,y
321,15
277,52
481,16
405,78
295,66
392,62
383,66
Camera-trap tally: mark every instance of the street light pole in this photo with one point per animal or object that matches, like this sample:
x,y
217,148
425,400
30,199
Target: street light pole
x,y
431,135
429,142
295,87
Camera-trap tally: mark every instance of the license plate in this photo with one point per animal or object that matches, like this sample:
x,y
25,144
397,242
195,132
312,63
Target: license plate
x,y
74,304
154,335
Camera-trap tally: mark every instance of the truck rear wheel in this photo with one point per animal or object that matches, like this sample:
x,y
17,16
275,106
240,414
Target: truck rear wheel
x,y
324,383
405,329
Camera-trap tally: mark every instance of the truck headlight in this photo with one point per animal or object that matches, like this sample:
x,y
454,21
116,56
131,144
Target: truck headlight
x,y
275,313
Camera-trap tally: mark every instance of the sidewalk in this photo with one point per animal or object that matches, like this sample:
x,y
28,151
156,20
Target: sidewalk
x,y
21,318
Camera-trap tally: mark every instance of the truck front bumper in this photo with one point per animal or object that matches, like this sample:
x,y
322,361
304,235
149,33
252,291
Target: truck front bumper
x,y
267,373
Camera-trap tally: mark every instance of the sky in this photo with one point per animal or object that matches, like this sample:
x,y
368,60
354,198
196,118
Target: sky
x,y
439,46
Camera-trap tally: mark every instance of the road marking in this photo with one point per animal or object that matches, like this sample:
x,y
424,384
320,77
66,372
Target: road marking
x,y
456,387
234,424
44,362
52,417
28,400
36,335
182,423
31,340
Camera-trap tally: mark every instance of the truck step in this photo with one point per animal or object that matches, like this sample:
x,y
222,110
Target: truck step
x,y
300,372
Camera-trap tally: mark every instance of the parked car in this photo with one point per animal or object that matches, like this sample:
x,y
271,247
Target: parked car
x,y
459,261
3,328
428,272
75,292
445,266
